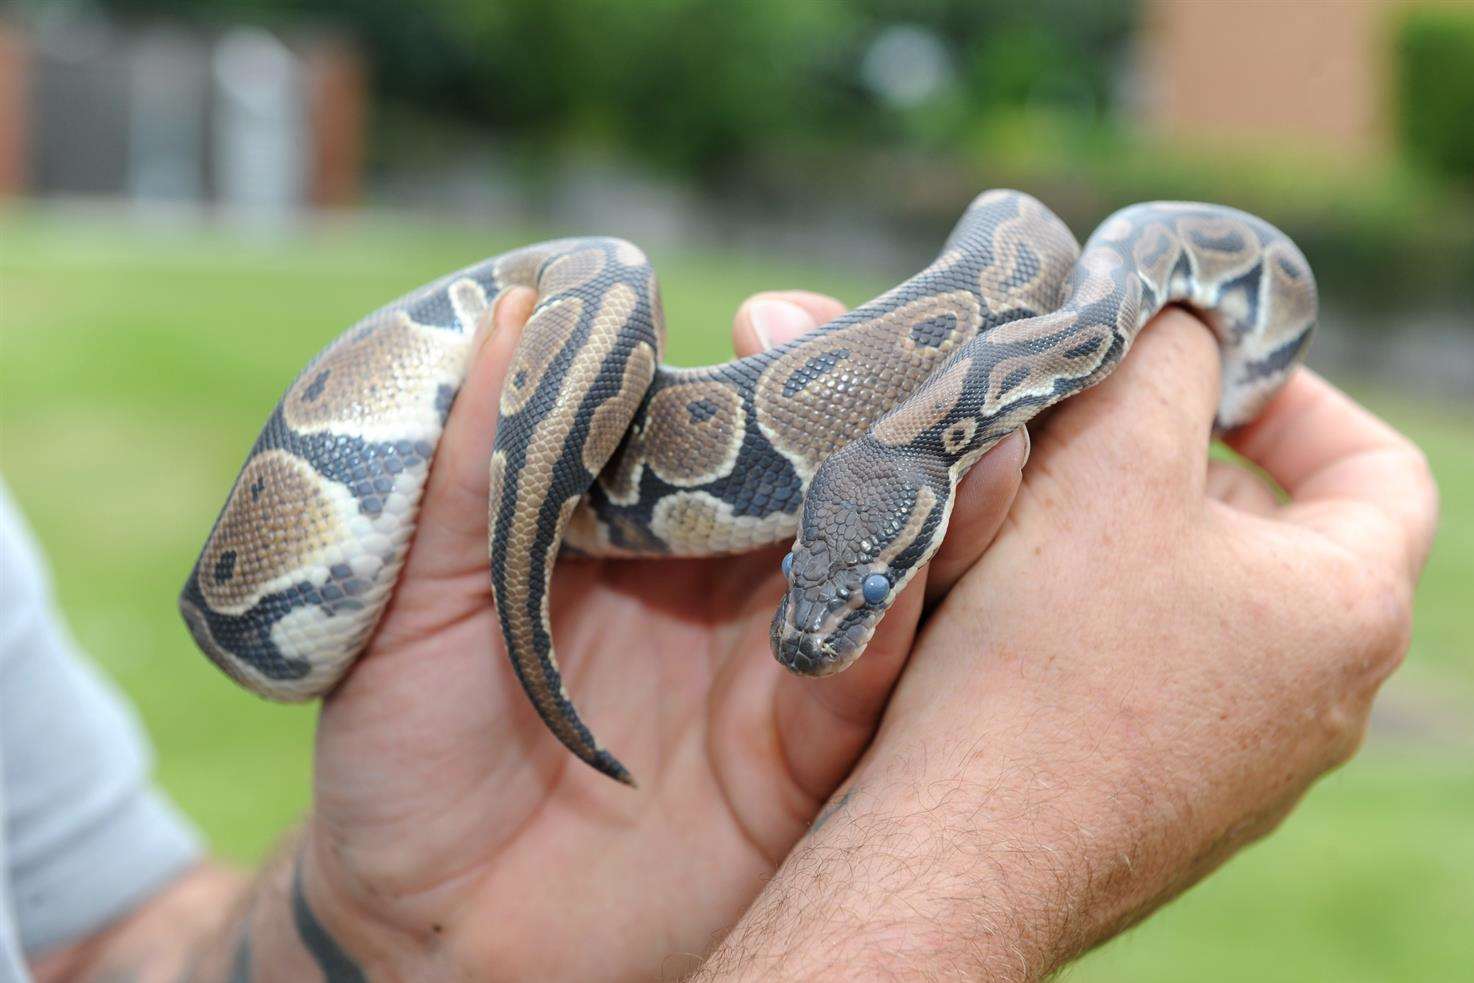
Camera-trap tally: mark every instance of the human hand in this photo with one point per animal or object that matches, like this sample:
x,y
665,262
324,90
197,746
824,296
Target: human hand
x,y
452,835
1149,667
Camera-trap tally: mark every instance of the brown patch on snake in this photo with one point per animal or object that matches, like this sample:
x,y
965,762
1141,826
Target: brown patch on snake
x,y
1103,273
1220,248
611,418
519,268
524,653
1077,350
696,523
926,500
693,432
570,271
547,333
620,478
1016,277
808,402
1289,290
385,370
929,406
277,522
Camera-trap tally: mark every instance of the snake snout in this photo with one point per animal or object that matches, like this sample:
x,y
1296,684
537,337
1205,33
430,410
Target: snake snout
x,y
806,653
805,640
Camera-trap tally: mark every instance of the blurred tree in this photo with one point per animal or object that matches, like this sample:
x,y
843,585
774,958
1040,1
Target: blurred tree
x,y
1435,48
699,86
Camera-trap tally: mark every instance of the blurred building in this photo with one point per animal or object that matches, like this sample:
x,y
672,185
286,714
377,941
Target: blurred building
x,y
240,118
1312,73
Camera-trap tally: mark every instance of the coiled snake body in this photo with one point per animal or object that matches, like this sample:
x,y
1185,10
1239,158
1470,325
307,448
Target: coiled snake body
x,y
854,436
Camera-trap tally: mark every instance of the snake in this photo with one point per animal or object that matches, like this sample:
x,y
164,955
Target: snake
x,y
849,440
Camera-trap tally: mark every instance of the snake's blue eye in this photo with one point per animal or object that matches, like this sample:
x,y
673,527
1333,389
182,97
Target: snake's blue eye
x,y
875,588
787,565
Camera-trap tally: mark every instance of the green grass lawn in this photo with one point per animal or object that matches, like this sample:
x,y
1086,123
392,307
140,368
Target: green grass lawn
x,y
137,363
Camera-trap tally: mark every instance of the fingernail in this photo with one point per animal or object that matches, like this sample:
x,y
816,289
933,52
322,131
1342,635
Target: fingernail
x,y
1019,445
777,322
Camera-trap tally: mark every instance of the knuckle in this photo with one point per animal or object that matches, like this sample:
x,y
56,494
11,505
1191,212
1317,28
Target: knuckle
x,y
1348,731
1379,605
1424,489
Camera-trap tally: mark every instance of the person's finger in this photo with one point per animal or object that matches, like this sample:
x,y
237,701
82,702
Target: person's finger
x,y
1348,473
777,317
1239,488
838,714
1154,414
844,708
451,533
979,507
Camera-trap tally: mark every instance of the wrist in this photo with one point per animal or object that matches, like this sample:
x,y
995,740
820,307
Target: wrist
x,y
294,925
1002,858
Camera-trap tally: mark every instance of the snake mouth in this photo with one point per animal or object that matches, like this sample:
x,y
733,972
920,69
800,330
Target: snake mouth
x,y
807,654
817,651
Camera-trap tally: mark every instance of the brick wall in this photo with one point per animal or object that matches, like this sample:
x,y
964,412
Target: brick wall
x,y
1310,72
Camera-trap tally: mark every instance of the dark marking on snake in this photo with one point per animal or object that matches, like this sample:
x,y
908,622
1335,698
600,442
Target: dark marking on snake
x,y
1087,347
313,391
933,331
813,370
701,410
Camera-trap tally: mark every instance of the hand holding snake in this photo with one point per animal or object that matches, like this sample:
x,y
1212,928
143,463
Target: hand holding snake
x,y
855,436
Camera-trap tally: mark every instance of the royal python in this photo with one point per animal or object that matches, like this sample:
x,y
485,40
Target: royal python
x,y
854,435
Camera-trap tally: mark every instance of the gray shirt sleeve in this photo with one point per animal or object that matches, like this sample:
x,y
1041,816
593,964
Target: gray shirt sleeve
x,y
86,836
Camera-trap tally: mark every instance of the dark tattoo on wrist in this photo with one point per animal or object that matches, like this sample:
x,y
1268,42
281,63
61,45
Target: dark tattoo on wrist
x,y
829,810
113,974
336,965
240,960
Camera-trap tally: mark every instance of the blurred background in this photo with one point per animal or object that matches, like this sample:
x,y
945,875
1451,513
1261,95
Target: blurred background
x,y
195,195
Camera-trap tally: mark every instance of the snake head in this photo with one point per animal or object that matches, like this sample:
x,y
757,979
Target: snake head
x,y
867,526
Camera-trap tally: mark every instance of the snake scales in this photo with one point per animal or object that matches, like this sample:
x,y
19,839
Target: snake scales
x,y
853,436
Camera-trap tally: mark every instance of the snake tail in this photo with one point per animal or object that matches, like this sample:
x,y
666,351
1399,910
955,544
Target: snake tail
x,y
581,370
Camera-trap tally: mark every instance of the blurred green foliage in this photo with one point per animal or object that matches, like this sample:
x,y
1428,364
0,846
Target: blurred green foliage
x,y
1386,240
1435,62
769,101
700,86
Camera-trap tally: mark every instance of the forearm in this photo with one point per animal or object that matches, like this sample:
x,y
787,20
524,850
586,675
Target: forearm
x,y
158,941
1000,860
